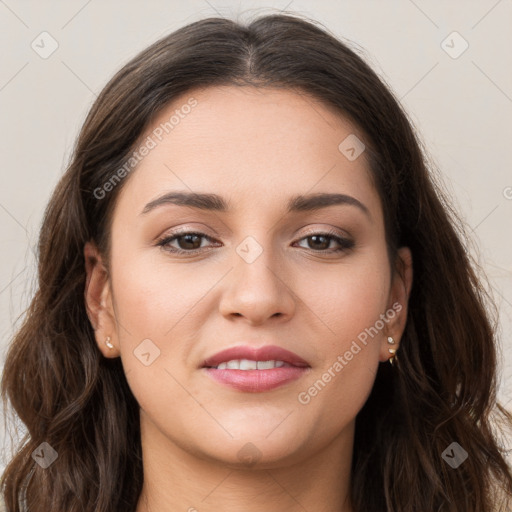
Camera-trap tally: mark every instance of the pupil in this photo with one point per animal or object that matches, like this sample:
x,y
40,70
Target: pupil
x,y
188,241
316,237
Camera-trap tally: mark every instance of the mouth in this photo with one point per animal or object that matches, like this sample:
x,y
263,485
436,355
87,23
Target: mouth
x,y
248,364
253,369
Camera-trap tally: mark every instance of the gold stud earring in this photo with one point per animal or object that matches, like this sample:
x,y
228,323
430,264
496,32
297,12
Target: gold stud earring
x,y
107,342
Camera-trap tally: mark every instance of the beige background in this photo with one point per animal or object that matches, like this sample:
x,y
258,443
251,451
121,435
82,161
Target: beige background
x,y
461,107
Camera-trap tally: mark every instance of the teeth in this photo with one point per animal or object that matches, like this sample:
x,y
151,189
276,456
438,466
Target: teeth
x,y
266,365
247,364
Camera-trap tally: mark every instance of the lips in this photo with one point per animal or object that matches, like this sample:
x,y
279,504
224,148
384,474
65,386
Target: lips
x,y
234,368
266,353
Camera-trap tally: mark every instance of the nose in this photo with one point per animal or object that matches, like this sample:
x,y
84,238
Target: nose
x,y
258,290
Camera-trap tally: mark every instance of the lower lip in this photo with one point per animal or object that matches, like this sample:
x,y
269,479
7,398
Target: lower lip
x,y
257,381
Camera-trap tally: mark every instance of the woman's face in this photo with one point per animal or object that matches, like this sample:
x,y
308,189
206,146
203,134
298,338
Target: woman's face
x,y
258,272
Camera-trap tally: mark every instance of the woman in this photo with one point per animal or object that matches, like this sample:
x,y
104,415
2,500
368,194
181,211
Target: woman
x,y
246,234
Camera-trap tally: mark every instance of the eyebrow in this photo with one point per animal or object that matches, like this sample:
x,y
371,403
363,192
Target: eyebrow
x,y
214,202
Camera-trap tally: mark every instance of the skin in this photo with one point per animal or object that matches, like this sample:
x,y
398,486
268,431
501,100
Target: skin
x,y
256,148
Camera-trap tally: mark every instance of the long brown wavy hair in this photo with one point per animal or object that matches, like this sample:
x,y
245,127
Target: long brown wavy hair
x,y
442,389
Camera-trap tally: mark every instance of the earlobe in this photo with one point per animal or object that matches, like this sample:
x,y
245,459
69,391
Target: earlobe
x,y
398,302
97,298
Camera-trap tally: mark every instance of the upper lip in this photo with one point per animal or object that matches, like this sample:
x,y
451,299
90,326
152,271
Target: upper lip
x,y
265,353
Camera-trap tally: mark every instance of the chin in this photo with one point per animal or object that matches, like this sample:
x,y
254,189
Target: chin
x,y
256,449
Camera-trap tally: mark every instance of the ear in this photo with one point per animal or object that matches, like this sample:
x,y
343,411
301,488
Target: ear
x,y
398,300
98,301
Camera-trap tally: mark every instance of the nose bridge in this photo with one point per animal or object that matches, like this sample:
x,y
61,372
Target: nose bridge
x,y
257,289
256,262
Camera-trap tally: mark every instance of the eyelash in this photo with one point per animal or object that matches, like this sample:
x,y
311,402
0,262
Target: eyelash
x,y
345,244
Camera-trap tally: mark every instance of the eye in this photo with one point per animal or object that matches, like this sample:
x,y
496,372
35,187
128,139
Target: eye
x,y
190,242
318,242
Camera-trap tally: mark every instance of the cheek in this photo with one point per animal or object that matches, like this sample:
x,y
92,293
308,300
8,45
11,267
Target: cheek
x,y
154,309
347,301
349,306
152,296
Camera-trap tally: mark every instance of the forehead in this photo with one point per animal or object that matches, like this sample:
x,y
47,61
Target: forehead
x,y
249,143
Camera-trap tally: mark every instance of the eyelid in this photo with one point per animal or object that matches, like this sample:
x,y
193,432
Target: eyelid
x,y
331,231
310,231
345,243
